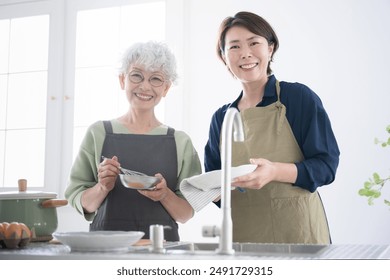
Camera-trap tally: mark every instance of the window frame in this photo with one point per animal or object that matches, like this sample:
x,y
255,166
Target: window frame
x,y
54,77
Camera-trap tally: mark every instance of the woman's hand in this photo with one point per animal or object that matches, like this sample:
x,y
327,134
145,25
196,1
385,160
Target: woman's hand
x,y
92,198
266,172
262,175
159,192
108,171
178,208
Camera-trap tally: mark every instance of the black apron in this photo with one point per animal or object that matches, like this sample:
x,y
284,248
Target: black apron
x,y
126,209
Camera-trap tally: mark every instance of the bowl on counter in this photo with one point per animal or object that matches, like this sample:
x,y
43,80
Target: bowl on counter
x,y
99,241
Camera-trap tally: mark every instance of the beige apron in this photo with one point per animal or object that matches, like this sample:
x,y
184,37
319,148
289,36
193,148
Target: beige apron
x,y
279,212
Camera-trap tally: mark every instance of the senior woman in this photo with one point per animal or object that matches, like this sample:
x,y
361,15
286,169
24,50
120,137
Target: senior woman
x,y
137,140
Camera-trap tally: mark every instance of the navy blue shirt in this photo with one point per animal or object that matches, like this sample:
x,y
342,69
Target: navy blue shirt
x,y
311,127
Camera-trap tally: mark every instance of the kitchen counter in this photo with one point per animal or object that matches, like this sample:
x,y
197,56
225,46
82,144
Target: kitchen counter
x,y
57,251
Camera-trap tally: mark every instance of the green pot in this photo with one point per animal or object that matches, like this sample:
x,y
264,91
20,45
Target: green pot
x,y
37,210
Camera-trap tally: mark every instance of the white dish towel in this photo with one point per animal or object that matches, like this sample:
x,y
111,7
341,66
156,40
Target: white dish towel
x,y
202,189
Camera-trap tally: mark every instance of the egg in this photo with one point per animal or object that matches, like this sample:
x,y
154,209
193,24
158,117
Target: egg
x,y
14,235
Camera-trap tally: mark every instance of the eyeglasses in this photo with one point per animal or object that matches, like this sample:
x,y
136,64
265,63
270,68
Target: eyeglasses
x,y
137,77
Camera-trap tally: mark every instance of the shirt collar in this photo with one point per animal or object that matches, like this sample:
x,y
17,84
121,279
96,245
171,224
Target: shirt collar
x,y
270,91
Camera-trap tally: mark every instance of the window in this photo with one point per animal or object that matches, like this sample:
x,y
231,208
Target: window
x,y
23,93
58,75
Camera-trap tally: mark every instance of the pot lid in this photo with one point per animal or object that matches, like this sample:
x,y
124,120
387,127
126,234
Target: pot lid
x,y
23,193
27,195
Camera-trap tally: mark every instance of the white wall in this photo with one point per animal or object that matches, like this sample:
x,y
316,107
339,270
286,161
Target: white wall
x,y
340,50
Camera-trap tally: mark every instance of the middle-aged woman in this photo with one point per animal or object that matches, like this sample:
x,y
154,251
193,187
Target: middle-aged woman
x,y
136,140
288,136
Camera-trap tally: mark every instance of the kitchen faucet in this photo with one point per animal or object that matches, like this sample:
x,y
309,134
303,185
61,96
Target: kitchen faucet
x,y
232,120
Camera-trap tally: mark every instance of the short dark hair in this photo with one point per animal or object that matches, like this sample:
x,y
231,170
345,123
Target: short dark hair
x,y
255,24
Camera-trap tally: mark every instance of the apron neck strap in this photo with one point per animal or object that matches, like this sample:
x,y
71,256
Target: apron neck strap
x,y
281,108
171,131
108,126
277,90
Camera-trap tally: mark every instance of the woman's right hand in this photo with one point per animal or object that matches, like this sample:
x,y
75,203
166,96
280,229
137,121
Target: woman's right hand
x,y
108,171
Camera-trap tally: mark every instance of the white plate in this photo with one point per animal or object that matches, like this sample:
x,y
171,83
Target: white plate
x,y
212,180
243,170
99,241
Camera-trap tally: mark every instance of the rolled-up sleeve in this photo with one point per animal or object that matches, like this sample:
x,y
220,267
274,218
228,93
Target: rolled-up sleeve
x,y
312,129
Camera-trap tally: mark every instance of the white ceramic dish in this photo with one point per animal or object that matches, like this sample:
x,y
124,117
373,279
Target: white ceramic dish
x,y
139,182
99,241
243,170
212,180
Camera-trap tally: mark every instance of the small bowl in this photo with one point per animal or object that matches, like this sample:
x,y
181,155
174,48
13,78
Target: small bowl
x,y
139,182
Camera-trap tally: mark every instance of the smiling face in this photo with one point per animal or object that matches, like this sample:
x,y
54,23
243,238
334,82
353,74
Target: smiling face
x,y
247,55
144,89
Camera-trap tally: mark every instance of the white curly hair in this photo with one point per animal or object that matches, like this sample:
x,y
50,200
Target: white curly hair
x,y
154,56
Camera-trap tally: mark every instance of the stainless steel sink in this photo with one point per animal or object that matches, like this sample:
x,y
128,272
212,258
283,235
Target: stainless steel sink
x,y
295,250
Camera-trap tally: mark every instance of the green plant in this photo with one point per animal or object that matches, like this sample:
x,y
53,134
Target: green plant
x,y
372,189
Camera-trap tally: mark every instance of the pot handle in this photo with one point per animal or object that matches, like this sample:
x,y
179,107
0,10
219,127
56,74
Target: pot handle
x,y
51,203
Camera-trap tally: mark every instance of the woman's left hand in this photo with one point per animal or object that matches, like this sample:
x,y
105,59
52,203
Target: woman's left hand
x,y
159,192
262,175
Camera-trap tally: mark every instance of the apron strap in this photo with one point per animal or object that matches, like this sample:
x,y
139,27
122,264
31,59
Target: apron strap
x,y
281,108
171,131
108,127
277,89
